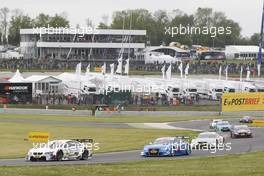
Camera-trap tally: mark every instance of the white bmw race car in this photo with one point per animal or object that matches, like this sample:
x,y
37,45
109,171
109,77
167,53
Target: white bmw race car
x,y
59,150
208,139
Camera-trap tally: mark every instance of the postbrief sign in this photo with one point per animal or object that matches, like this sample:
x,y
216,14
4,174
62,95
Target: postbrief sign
x,y
242,101
38,136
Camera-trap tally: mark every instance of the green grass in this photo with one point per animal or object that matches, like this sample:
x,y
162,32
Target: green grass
x,y
12,135
236,165
112,119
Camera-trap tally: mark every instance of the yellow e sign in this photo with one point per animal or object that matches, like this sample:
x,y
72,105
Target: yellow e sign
x,y
38,136
242,102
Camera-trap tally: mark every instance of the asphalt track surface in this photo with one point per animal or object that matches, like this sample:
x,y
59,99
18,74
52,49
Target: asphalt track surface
x,y
241,145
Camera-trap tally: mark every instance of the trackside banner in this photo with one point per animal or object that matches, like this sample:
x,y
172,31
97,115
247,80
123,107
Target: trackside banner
x,y
242,101
38,136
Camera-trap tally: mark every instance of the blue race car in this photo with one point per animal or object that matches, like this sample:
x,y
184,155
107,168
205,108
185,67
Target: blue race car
x,y
223,126
167,146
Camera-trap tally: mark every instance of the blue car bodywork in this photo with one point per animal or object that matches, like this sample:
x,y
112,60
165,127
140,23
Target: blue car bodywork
x,y
167,146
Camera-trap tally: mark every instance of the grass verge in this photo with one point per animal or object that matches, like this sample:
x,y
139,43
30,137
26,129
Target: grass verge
x,y
12,137
236,165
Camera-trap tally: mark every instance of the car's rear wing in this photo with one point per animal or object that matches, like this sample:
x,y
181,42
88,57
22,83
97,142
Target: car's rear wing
x,y
84,140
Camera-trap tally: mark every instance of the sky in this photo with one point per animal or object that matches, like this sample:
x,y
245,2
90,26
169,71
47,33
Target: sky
x,y
246,12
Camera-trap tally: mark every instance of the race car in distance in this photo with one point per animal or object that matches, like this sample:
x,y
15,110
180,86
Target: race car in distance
x,y
223,126
240,131
208,139
214,122
58,150
167,146
246,119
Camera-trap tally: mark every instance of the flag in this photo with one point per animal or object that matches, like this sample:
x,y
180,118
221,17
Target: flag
x,y
103,69
2,38
78,69
248,73
226,72
259,69
180,68
127,67
168,72
186,71
220,72
119,66
112,68
163,71
241,73
88,68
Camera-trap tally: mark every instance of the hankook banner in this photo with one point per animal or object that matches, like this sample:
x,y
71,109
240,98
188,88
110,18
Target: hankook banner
x,y
242,101
15,93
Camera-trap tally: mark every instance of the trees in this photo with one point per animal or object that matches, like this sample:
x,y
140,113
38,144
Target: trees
x,y
42,20
254,39
142,19
17,23
156,22
59,21
4,12
207,17
185,20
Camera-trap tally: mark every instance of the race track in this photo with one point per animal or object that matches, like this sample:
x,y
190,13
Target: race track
x,y
241,145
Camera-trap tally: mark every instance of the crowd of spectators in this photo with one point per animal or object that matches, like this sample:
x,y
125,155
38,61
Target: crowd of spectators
x,y
196,67
84,99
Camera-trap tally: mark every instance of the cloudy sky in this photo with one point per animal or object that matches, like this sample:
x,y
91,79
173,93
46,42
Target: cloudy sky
x,y
246,12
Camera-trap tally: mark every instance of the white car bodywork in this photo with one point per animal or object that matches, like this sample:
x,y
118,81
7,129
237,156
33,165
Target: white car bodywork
x,y
214,122
211,139
59,150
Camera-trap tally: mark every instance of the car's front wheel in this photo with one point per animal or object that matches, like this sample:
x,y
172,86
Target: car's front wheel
x,y
85,155
32,159
59,155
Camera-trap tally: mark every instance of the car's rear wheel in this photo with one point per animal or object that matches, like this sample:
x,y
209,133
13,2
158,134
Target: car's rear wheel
x,y
188,150
85,155
232,135
59,155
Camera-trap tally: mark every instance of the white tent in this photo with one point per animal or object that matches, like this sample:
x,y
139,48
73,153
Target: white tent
x,y
152,57
17,78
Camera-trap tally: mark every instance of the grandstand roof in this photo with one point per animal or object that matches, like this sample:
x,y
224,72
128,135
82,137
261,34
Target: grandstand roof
x,y
152,48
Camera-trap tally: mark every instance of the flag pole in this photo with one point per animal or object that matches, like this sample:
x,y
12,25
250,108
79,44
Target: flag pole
x,y
260,42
